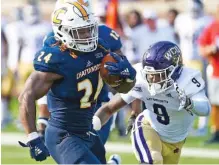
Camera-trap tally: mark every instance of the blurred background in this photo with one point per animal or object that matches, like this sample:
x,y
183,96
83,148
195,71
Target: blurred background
x,y
140,23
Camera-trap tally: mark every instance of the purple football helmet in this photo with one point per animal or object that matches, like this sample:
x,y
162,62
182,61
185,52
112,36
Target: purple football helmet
x,y
162,66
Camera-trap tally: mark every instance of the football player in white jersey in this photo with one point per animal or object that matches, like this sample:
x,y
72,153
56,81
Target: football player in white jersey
x,y
173,95
33,33
195,20
12,35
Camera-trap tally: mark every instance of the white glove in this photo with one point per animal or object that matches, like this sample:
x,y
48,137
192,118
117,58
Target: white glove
x,y
185,101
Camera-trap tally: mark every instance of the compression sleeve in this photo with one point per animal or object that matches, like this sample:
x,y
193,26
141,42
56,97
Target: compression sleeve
x,y
201,105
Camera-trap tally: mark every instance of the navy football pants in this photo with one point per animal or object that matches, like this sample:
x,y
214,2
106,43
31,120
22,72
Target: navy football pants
x,y
67,148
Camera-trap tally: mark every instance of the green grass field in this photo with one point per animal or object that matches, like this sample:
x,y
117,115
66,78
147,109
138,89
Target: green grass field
x,y
18,155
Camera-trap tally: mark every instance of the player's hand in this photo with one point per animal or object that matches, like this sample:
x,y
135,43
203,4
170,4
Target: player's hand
x,y
38,150
122,68
185,101
42,123
131,122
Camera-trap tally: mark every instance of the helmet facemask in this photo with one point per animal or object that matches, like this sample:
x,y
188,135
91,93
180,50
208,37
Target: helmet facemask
x,y
83,39
158,81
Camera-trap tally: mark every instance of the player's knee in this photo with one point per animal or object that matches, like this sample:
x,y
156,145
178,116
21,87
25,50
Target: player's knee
x,y
157,157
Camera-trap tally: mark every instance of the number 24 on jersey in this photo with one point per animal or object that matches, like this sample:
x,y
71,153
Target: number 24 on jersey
x,y
44,57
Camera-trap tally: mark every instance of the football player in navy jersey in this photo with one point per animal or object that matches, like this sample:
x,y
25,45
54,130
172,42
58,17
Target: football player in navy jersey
x,y
67,68
113,40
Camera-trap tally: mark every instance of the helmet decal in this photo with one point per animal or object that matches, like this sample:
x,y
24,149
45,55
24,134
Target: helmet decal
x,y
56,20
83,13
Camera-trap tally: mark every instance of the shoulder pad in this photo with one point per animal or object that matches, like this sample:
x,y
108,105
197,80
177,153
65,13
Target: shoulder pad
x,y
48,60
137,92
111,37
104,28
140,85
191,81
103,45
49,40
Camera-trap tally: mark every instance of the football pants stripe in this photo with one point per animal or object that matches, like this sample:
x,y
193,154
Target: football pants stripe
x,y
141,140
136,147
139,143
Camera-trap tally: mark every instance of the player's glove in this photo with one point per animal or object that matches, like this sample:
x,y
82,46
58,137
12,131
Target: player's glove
x,y
38,150
122,68
185,101
131,122
42,134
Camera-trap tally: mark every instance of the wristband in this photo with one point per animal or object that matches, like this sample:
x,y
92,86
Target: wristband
x,y
42,120
32,136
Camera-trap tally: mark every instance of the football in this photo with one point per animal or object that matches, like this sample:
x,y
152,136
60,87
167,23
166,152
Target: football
x,y
109,79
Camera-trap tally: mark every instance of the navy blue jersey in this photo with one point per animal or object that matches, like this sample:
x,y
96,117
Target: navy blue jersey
x,y
113,41
72,99
110,36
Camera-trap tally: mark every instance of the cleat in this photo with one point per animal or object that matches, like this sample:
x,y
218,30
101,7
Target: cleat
x,y
114,159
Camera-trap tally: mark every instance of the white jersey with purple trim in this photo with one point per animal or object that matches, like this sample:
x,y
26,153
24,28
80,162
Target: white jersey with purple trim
x,y
188,34
162,109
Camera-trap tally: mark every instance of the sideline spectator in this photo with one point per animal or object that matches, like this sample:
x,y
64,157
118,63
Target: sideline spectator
x,y
209,48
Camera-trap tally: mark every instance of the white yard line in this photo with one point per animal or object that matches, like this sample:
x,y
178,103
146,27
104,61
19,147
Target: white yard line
x,y
12,138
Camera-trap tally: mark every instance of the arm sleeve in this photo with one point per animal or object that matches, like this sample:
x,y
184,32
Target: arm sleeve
x,y
128,98
111,37
201,105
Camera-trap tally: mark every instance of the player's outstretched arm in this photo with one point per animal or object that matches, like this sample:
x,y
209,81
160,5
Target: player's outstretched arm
x,y
197,104
107,110
200,104
136,106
